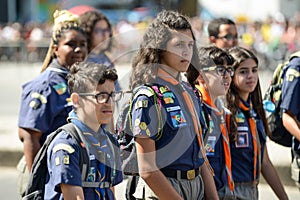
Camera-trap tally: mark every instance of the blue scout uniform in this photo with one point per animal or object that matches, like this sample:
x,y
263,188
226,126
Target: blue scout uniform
x,y
63,165
160,114
242,149
291,94
214,149
44,105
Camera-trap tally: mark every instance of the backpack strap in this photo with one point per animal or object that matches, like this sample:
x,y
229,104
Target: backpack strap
x,y
84,161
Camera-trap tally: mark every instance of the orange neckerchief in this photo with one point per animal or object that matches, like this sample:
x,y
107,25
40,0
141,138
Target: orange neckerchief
x,y
187,98
207,99
255,138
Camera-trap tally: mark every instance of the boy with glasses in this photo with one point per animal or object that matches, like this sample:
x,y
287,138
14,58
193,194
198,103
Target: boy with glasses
x,y
223,33
210,84
92,94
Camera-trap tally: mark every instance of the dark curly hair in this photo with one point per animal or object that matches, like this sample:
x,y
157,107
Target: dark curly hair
x,y
85,76
88,21
145,63
241,54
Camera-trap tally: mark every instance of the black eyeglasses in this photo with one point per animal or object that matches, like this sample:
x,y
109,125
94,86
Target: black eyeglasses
x,y
102,31
220,70
103,97
228,37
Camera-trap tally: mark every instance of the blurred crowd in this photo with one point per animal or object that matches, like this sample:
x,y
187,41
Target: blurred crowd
x,y
272,39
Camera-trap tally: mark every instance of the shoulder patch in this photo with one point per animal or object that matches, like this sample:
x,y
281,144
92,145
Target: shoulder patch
x,y
60,88
144,90
64,147
291,74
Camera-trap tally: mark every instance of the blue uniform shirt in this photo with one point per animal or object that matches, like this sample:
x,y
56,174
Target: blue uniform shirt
x,y
44,105
242,149
176,143
291,92
63,159
214,148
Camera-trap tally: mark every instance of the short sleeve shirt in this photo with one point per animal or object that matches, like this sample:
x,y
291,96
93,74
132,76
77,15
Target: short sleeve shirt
x,y
176,143
44,105
63,158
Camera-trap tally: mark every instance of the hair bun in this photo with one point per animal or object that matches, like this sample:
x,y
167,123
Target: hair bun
x,y
63,16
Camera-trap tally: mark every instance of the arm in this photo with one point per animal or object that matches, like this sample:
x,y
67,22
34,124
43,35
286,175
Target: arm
x,y
71,192
210,191
271,176
291,124
150,173
31,142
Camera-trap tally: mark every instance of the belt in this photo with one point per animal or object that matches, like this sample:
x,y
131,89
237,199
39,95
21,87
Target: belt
x,y
97,184
179,174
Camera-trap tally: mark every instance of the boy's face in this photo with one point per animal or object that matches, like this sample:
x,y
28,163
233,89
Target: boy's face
x,y
94,113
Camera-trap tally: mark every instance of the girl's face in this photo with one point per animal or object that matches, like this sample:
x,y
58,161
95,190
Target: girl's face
x,y
71,48
100,36
246,78
179,50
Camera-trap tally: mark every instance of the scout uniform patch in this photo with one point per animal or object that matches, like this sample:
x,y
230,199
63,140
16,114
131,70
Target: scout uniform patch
x,y
210,145
37,100
60,88
178,118
242,138
141,104
164,89
64,147
240,117
66,160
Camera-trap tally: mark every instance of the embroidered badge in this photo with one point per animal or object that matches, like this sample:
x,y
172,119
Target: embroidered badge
x,y
64,147
178,118
242,140
143,126
240,118
291,74
210,145
60,88
148,132
169,109
168,100
37,100
57,161
91,175
164,89
66,160
141,104
137,122
143,91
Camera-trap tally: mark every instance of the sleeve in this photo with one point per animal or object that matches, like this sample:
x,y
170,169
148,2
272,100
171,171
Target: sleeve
x,y
290,87
63,161
43,105
144,114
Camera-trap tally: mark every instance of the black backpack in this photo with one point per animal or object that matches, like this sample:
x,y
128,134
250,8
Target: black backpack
x,y
278,132
37,180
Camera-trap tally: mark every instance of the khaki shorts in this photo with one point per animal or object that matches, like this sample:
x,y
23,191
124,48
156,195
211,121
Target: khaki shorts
x,y
188,189
246,191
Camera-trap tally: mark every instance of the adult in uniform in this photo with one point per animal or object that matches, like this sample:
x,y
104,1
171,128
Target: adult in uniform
x,y
165,120
291,113
44,105
92,94
248,129
211,84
